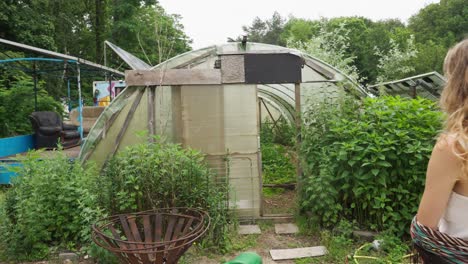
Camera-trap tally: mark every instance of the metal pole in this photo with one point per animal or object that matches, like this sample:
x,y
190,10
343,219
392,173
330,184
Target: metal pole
x,y
69,96
35,86
110,89
80,110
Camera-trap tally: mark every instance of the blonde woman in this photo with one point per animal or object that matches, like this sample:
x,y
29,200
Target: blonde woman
x,y
440,229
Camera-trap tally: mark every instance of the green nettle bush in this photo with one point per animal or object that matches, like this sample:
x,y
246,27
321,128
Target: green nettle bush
x,y
50,206
160,175
283,133
277,164
366,161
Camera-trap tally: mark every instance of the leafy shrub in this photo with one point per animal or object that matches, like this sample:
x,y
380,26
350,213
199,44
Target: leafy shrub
x,y
159,175
51,205
17,103
277,164
367,161
283,133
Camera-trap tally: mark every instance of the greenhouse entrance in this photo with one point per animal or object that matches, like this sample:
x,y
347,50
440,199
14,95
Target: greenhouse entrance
x,y
278,157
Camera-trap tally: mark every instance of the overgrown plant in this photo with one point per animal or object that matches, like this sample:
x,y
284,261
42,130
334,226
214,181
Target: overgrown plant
x,y
395,63
17,103
278,132
330,45
161,175
366,161
50,206
277,164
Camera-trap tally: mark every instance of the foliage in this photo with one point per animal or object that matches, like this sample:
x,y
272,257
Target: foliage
x,y
277,164
395,63
393,248
366,162
79,28
268,31
147,31
15,22
281,132
160,175
444,22
277,159
17,103
300,29
330,46
50,206
436,27
339,245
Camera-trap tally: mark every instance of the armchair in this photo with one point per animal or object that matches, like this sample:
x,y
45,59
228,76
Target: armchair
x,y
49,128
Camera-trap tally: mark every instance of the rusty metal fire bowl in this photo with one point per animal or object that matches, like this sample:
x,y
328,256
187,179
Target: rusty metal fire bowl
x,y
159,236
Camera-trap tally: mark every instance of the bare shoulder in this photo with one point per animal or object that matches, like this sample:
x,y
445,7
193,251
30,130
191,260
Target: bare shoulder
x,y
444,156
446,143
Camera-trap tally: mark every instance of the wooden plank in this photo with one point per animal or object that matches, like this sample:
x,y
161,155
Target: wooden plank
x,y
158,227
319,69
170,228
295,253
126,229
147,229
178,229
172,77
151,113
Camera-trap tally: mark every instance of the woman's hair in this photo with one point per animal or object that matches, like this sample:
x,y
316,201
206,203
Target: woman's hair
x,y
454,100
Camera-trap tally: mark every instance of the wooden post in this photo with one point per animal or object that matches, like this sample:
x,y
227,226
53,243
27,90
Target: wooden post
x,y
259,113
151,113
297,97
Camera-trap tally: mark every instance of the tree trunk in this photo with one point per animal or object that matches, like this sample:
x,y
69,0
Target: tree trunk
x,y
100,28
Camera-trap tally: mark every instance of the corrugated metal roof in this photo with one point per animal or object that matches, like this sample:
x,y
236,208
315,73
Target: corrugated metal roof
x,y
428,85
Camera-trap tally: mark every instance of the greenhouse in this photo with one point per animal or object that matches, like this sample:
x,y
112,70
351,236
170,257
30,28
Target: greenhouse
x,y
213,100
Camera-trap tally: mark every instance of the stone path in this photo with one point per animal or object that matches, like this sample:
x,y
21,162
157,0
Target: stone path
x,y
280,255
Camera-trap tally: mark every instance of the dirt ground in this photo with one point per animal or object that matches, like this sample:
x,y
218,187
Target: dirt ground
x,y
283,203
263,243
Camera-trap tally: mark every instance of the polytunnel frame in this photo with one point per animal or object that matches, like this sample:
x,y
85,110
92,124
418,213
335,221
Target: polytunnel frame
x,y
276,101
287,104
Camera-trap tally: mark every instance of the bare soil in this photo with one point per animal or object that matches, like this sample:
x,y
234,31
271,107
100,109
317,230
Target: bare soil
x,y
264,243
283,203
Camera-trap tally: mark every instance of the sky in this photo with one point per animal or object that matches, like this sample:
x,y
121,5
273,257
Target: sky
x,y
210,22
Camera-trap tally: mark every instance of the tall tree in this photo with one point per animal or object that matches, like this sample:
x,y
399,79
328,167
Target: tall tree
x,y
268,31
445,22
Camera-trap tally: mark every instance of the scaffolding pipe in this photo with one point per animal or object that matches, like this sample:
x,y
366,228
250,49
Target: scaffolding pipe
x,y
80,103
35,87
69,95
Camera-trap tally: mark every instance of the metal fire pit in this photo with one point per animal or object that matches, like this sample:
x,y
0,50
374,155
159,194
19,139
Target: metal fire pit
x,y
158,236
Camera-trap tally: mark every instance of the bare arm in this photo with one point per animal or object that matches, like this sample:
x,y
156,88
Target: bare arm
x,y
442,172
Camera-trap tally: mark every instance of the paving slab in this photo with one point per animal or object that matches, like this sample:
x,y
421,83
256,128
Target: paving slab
x,y
295,253
249,229
286,228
